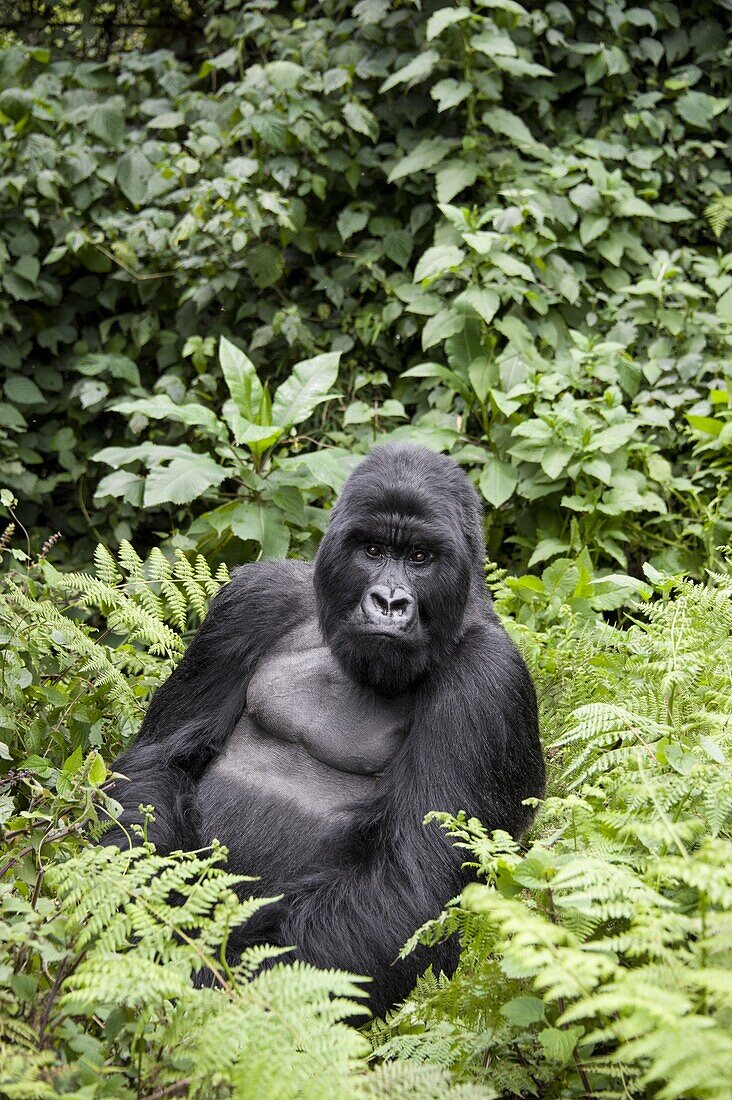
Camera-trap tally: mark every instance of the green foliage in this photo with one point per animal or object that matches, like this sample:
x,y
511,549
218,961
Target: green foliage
x,y
509,223
228,267
597,962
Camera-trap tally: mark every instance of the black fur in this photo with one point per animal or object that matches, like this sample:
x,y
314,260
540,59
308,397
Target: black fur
x,y
471,741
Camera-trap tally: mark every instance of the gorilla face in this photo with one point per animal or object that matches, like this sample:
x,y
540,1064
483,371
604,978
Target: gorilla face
x,y
394,571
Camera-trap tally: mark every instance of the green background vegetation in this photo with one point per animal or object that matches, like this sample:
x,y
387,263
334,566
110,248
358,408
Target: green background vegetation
x,y
238,244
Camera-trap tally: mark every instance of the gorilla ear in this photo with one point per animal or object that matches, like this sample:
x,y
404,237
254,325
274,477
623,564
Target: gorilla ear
x,y
472,509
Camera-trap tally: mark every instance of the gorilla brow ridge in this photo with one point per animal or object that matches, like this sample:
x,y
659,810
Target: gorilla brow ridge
x,y
402,531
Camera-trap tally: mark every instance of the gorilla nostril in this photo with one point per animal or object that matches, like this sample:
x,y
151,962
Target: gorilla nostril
x,y
380,602
383,602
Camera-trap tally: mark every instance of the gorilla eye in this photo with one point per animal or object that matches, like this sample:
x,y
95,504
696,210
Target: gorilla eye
x,y
418,557
373,551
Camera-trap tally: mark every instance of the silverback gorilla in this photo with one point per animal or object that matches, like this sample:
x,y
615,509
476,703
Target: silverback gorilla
x,y
322,710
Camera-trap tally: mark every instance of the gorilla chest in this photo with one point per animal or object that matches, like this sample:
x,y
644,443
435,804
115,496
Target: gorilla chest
x,y
311,742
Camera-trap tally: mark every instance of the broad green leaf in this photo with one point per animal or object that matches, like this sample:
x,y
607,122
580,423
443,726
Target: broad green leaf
x,y
706,424
698,108
328,466
591,226
257,437
518,66
284,75
107,120
358,412
123,484
610,439
547,548
559,1043
465,346
97,769
483,374
150,453
350,221
486,303
523,1010
241,377
265,265
450,93
23,391
160,407
427,154
398,245
498,480
454,178
360,119
259,522
186,478
414,72
554,459
29,267
440,20
437,370
308,385
444,324
436,261
501,121
133,172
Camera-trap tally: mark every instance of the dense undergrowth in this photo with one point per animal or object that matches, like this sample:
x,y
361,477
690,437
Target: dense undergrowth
x,y
596,963
506,226
230,262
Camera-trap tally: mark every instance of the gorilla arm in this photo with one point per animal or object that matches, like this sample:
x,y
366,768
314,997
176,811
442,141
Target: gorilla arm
x,y
195,710
473,745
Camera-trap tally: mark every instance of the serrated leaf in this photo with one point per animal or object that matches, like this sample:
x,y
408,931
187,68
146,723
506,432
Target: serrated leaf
x,y
415,71
437,261
307,386
437,370
360,119
509,125
350,221
486,303
133,172
358,412
260,523
698,108
161,407
398,245
443,325
523,1010
450,93
427,154
440,20
454,178
265,265
187,477
257,437
241,378
284,75
107,120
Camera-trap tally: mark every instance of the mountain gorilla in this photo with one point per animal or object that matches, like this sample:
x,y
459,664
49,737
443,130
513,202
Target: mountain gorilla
x,y
322,710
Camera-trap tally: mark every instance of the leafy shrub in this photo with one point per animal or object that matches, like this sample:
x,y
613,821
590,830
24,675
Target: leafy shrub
x,y
595,963
494,214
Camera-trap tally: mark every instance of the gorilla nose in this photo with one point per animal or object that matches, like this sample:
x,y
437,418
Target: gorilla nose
x,y
393,604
